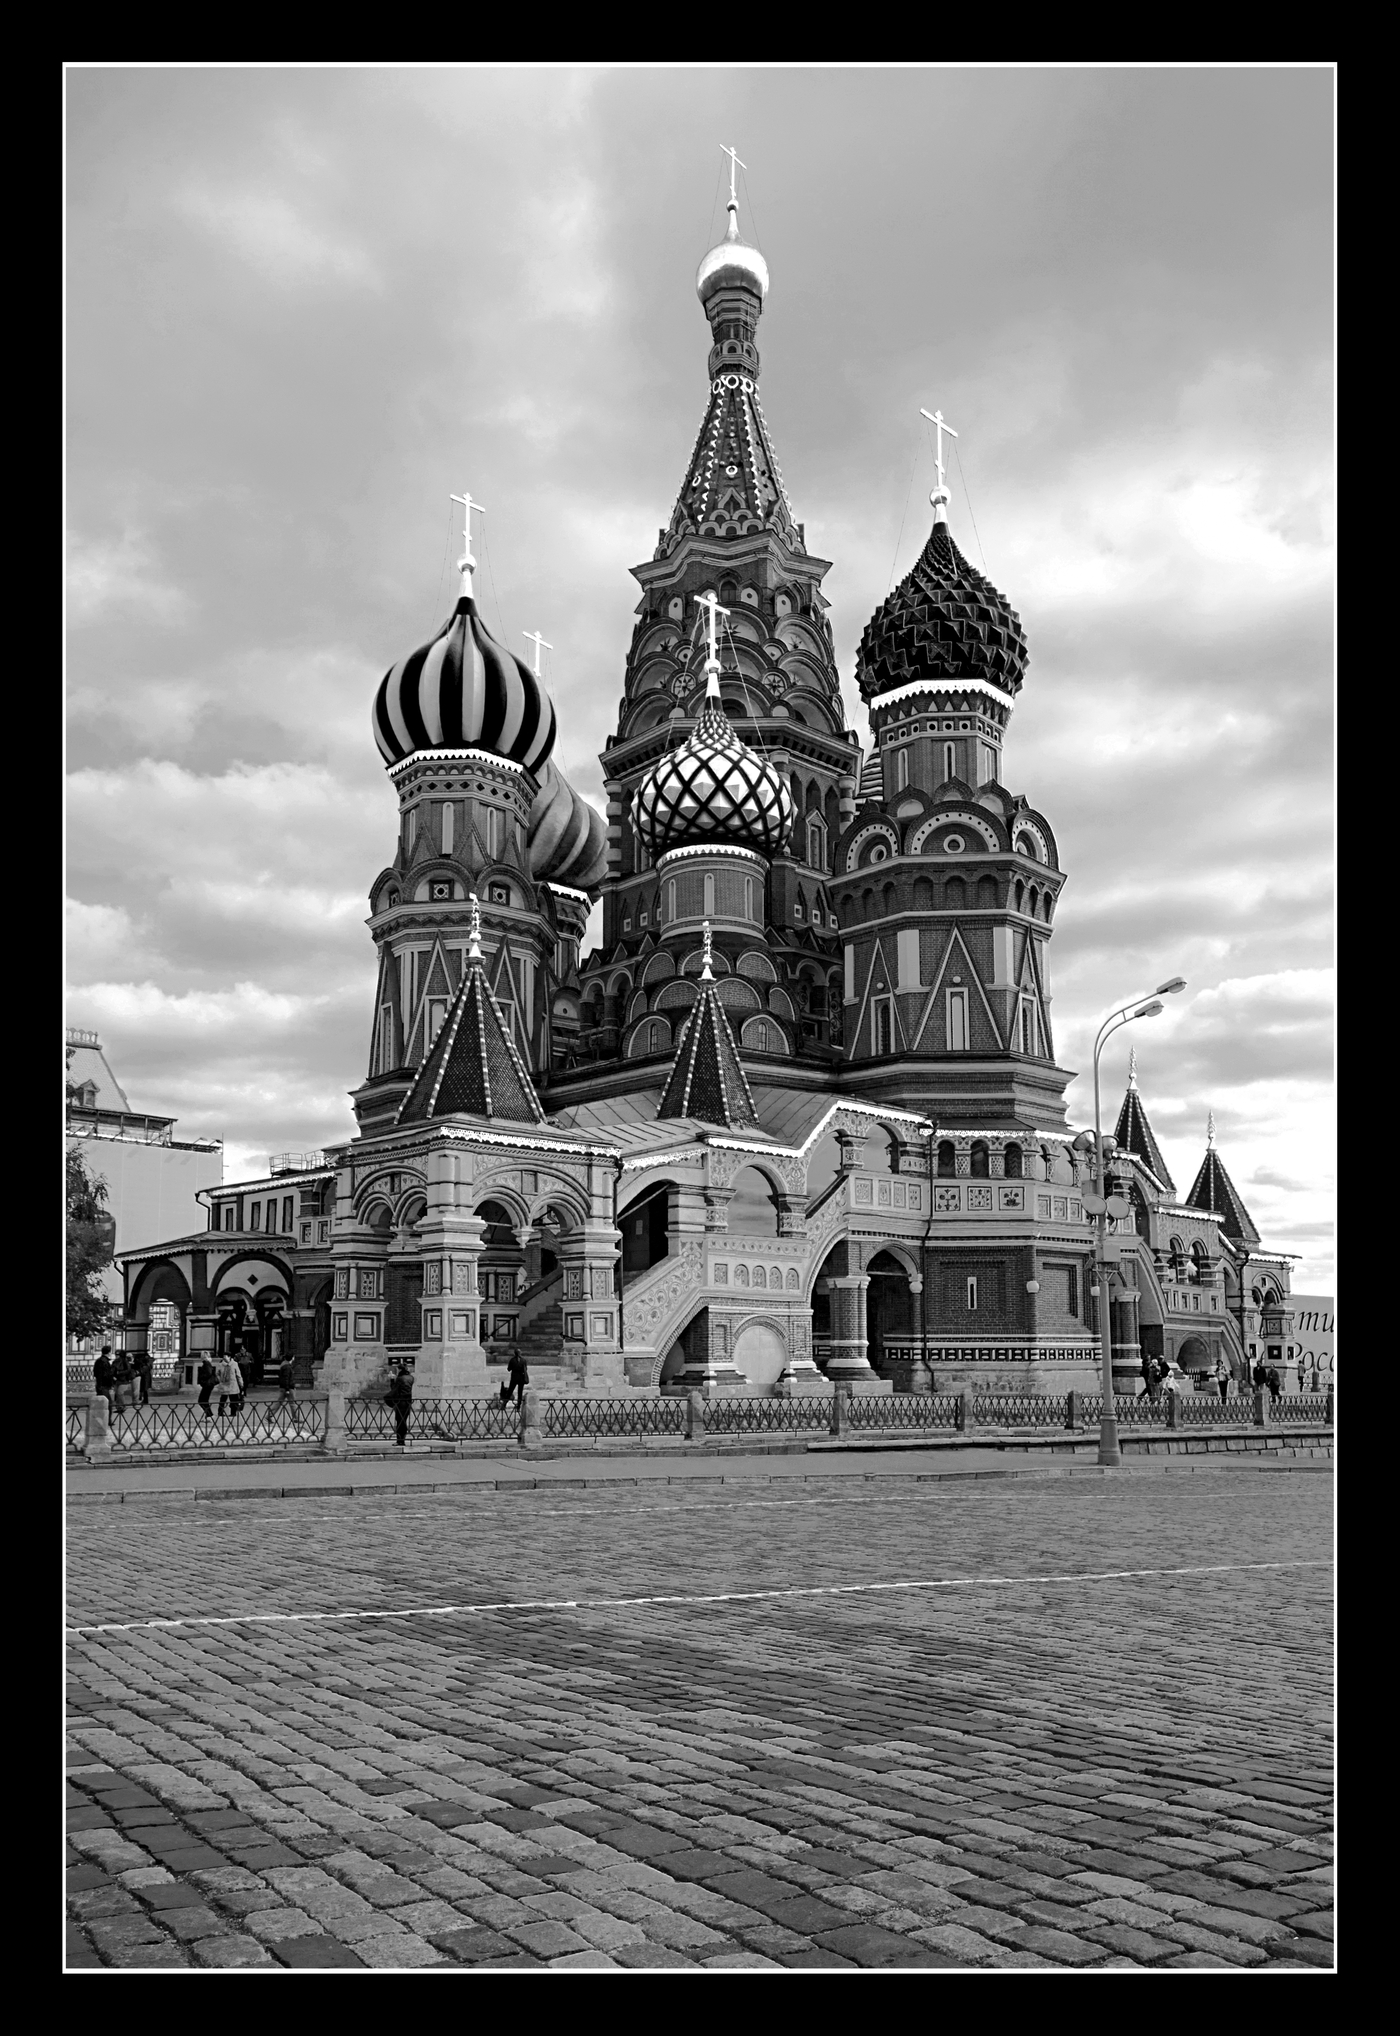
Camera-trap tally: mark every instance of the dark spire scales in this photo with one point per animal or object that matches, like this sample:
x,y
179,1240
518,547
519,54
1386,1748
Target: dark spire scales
x,y
473,1066
707,1080
1135,1134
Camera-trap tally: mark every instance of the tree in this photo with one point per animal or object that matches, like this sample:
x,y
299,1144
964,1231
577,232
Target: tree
x,y
92,1233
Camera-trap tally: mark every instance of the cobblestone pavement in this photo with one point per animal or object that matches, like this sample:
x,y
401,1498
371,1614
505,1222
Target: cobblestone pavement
x,y
974,1741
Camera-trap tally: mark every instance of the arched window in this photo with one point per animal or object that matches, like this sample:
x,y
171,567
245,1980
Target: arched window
x,y
1034,900
887,900
950,760
1046,906
947,1160
1014,1162
748,895
954,895
670,901
901,769
981,1161
816,845
753,1207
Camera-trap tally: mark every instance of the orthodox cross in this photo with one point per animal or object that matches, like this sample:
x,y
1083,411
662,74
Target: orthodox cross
x,y
706,975
710,602
733,156
474,937
935,418
539,644
467,507
1132,1067
1210,1130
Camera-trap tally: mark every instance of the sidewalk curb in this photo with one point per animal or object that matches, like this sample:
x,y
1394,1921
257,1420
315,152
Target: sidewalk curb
x,y
529,1484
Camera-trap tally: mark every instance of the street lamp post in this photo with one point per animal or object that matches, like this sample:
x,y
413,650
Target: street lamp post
x,y
1104,1207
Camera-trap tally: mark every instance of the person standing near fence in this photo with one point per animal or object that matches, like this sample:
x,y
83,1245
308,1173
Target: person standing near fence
x,y
121,1382
230,1385
517,1378
285,1372
1274,1383
145,1367
400,1398
208,1379
102,1377
1222,1378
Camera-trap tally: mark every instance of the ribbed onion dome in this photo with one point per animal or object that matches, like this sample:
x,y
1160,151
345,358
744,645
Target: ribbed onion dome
x,y
568,842
732,263
943,622
464,691
713,788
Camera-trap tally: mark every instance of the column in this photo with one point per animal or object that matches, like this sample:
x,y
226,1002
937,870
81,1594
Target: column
x,y
848,1362
451,1362
1127,1353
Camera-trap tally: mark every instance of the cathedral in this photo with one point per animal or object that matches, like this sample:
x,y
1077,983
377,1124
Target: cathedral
x,y
798,1119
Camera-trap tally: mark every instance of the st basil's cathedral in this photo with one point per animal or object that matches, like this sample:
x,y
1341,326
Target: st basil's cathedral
x,y
797,1120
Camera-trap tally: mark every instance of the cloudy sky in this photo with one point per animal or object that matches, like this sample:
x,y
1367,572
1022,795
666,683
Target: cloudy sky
x,y
307,305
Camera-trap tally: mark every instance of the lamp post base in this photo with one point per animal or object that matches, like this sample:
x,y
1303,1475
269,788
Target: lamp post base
x,y
1109,1452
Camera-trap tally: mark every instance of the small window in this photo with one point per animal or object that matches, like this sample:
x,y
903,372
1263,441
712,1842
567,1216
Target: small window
x,y
797,910
437,1013
440,888
288,1215
709,890
627,925
671,902
1072,1289
493,832
950,760
901,771
1013,1162
957,1021
447,829
972,1293
1028,1027
748,895
228,1215
882,1025
947,1160
255,1221
306,1233
500,894
641,918
980,1165
323,1231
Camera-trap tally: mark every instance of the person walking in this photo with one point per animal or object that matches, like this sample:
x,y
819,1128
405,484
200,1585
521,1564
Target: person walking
x,y
284,1382
1222,1379
230,1385
208,1379
400,1398
1274,1383
145,1368
1147,1368
517,1378
102,1377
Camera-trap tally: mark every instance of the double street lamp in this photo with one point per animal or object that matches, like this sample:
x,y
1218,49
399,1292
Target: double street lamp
x,y
1104,1207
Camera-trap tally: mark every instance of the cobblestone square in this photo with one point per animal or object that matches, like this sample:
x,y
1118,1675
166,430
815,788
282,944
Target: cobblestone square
x,y
1051,1722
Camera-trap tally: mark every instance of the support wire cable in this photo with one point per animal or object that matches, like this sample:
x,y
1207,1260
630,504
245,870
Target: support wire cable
x,y
968,499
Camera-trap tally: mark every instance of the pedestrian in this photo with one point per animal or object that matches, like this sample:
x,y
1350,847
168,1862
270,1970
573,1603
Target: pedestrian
x,y
1171,1384
1222,1378
400,1398
230,1385
1146,1368
145,1366
208,1379
1261,1377
1274,1383
102,1377
121,1382
284,1380
517,1378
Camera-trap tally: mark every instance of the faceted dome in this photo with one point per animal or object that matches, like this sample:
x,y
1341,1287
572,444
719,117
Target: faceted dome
x,y
464,691
714,788
943,622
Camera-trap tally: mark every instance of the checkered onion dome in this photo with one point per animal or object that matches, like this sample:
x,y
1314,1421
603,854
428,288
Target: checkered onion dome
x,y
713,788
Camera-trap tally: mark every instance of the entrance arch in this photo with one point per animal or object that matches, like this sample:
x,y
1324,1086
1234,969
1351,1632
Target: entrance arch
x,y
890,1313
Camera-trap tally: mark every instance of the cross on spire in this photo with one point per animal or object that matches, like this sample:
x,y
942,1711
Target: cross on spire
x,y
466,563
710,602
734,162
935,418
1132,1067
706,972
474,935
533,636
1210,1130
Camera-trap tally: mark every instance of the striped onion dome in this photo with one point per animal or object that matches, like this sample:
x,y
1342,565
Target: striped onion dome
x,y
464,691
568,842
713,788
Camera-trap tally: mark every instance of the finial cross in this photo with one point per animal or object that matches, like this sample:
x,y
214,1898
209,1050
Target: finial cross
x,y
935,418
467,507
733,156
474,935
533,636
706,974
1132,1067
1210,1129
710,602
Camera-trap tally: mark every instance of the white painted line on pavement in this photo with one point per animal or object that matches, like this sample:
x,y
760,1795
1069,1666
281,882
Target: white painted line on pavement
x,y
943,1583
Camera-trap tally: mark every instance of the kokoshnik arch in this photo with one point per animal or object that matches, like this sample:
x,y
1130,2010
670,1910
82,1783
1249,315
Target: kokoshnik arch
x,y
798,1119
